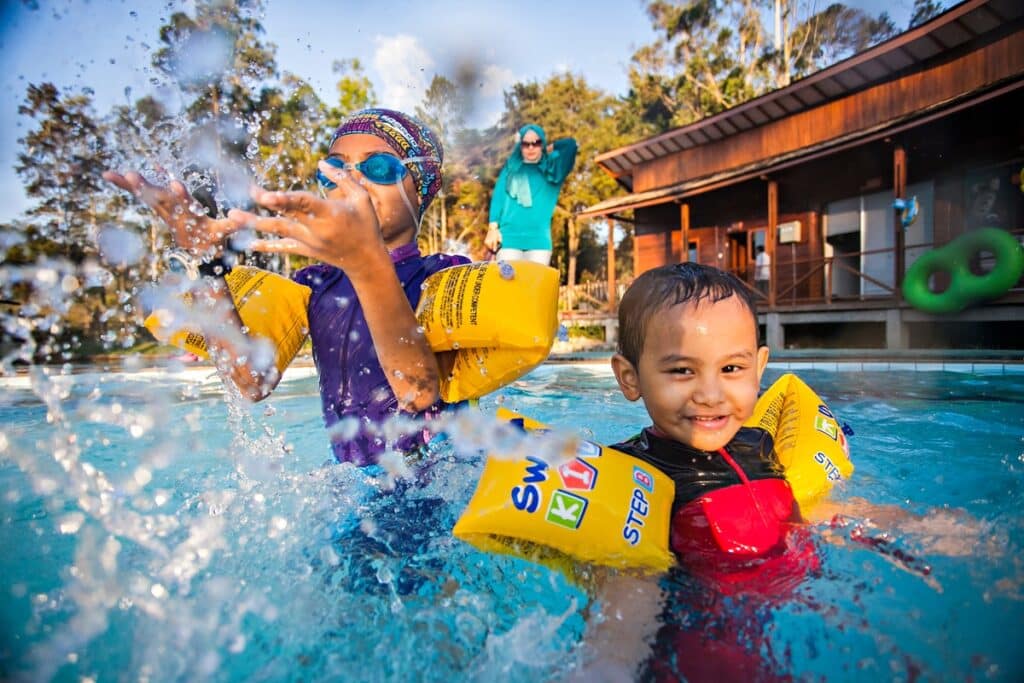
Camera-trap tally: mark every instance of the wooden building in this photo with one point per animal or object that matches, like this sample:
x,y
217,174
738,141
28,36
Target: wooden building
x,y
811,172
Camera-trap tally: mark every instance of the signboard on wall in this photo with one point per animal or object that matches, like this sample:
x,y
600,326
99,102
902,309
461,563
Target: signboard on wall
x,y
789,232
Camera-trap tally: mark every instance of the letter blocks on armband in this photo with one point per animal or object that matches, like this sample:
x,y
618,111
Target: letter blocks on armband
x,y
570,507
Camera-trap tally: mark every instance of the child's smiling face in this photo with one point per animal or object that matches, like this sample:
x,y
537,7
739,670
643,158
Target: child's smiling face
x,y
699,371
398,219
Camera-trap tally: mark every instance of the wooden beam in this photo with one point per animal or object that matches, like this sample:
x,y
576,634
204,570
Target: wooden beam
x,y
684,227
772,237
612,298
899,189
573,247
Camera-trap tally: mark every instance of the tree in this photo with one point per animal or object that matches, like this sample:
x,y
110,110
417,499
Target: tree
x,y
924,10
443,110
217,56
61,163
355,90
219,60
714,54
293,138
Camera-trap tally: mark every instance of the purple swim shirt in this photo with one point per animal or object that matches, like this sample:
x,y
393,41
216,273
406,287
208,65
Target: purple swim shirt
x,y
353,385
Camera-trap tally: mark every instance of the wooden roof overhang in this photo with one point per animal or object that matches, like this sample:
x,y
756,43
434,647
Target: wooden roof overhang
x,y
955,29
680,191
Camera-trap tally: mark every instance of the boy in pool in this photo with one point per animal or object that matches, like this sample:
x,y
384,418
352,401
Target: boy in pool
x,y
689,348
382,170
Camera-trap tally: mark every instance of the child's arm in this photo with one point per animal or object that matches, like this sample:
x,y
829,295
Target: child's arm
x,y
952,532
618,639
201,235
345,233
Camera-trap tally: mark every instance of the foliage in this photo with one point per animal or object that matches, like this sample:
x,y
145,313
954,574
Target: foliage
x,y
243,119
60,164
924,10
355,91
714,54
586,332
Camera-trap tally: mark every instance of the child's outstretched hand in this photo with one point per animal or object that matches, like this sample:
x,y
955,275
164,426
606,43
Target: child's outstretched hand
x,y
338,231
191,229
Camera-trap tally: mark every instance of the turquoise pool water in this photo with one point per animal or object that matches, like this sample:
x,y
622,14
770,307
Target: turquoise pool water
x,y
152,532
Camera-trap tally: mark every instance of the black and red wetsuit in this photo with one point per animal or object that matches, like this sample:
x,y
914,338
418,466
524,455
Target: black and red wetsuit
x,y
733,510
735,530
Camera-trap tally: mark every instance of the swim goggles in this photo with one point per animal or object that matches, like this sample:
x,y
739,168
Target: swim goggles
x,y
379,168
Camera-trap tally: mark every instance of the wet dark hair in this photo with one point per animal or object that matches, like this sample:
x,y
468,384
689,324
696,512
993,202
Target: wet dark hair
x,y
667,286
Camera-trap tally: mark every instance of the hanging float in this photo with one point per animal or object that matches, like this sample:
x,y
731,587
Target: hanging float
x,y
965,287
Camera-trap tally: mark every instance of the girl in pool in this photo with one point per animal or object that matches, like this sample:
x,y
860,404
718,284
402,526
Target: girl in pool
x,y
382,170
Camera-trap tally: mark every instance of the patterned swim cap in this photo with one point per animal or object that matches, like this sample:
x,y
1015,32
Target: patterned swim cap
x,y
409,138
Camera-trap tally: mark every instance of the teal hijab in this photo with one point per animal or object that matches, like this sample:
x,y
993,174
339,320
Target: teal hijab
x,y
517,182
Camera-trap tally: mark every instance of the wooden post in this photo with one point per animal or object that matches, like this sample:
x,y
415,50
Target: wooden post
x,y
612,294
772,237
684,226
899,189
571,270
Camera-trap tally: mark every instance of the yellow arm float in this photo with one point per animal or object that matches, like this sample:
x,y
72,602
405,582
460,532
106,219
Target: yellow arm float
x,y
597,504
607,507
809,443
498,318
270,306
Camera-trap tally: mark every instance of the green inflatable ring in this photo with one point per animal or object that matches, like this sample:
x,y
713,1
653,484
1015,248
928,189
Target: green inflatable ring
x,y
965,287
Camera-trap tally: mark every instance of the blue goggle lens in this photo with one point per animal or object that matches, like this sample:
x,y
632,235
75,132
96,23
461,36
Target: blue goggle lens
x,y
381,169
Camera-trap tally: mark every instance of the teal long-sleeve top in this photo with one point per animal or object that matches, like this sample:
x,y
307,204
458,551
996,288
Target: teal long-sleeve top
x,y
529,227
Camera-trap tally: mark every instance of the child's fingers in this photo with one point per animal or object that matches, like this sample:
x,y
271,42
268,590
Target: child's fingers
x,y
119,180
282,227
220,228
297,204
179,190
281,246
345,181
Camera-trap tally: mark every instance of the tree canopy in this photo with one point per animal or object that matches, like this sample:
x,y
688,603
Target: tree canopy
x,y
237,115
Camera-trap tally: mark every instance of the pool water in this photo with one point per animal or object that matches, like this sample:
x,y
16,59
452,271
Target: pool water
x,y
154,532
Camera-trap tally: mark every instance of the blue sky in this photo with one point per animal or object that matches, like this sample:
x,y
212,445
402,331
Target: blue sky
x,y
106,45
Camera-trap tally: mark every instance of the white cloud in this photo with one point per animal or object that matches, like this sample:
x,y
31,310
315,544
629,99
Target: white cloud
x,y
495,79
404,69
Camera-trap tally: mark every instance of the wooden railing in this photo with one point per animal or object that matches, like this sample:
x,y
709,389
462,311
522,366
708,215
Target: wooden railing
x,y
792,284
588,297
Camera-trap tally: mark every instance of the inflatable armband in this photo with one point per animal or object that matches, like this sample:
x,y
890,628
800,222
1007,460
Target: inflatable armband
x,y
600,506
498,319
607,507
809,443
272,307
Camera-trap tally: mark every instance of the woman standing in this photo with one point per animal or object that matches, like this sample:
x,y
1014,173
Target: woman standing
x,y
525,196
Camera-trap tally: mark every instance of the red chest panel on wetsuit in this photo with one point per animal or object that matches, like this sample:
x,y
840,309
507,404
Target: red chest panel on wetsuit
x,y
744,520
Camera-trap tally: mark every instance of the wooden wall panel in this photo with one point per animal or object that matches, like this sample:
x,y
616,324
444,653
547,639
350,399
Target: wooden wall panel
x,y
652,250
859,111
947,211
792,261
